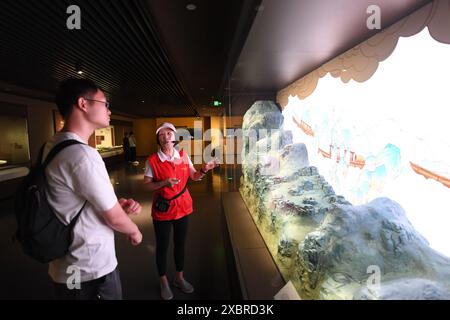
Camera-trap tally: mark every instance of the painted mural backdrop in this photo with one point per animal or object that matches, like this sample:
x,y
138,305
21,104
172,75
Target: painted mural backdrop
x,y
349,189
388,136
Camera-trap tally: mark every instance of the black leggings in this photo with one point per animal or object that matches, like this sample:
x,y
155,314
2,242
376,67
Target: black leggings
x,y
162,232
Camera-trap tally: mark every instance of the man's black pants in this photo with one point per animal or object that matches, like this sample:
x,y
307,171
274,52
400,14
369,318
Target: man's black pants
x,y
107,287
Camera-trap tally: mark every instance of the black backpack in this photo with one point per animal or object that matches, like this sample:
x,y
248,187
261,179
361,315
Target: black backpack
x,y
42,235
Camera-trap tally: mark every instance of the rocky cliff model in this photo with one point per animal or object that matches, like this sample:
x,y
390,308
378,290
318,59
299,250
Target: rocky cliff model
x,y
329,248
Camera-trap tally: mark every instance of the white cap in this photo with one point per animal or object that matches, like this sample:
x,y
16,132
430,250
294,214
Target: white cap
x,y
166,125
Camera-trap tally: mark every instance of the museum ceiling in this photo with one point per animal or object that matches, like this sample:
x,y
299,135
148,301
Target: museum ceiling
x,y
173,57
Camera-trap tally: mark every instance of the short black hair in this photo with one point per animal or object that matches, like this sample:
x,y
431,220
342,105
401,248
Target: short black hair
x,y
70,90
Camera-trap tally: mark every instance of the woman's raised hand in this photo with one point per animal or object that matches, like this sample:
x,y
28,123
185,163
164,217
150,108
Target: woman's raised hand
x,y
211,165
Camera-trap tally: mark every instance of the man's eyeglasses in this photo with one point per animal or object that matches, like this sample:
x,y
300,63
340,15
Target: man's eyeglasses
x,y
107,104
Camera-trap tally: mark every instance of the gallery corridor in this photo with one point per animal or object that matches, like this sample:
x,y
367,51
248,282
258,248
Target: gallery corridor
x,y
207,266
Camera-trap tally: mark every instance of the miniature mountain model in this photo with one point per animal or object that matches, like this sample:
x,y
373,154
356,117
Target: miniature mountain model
x,y
329,248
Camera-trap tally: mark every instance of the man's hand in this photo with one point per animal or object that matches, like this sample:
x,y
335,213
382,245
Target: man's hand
x,y
135,238
130,206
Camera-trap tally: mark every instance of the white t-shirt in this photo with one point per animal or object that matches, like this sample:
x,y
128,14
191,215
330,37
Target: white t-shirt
x,y
132,141
75,175
176,155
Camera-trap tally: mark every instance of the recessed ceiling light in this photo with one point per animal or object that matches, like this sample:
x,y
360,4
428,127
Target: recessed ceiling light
x,y
142,101
191,7
79,67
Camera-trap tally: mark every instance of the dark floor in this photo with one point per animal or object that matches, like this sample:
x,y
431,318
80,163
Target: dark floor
x,y
207,266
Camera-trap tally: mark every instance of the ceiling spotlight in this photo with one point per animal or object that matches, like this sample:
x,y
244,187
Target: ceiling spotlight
x,y
191,7
78,67
142,101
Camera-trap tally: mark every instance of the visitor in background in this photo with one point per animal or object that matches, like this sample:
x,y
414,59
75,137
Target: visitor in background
x,y
126,147
132,142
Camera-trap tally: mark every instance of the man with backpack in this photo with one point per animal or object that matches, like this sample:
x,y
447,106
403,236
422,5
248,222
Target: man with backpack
x,y
79,188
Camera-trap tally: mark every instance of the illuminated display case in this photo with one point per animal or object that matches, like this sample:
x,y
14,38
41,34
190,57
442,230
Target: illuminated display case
x,y
349,182
105,142
14,147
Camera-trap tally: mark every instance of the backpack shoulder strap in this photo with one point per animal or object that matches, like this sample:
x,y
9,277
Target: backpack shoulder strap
x,y
53,152
179,194
74,220
56,149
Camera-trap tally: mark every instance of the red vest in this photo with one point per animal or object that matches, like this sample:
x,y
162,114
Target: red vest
x,y
179,169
